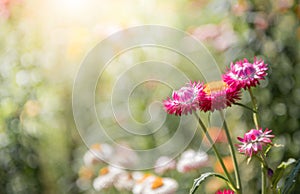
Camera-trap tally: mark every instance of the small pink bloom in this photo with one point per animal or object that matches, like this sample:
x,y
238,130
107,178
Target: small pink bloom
x,y
243,74
225,191
254,140
218,95
184,100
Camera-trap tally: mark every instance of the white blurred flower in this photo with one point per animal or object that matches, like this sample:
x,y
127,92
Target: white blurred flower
x,y
124,181
163,164
124,156
142,182
161,186
191,160
98,153
85,176
107,176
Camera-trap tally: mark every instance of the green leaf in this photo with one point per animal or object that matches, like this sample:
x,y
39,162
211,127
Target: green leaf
x,y
244,106
268,149
291,179
202,178
280,171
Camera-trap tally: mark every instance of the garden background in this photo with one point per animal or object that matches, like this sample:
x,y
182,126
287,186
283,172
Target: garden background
x,y
42,44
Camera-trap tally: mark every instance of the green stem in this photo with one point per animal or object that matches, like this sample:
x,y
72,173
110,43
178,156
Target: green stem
x,y
263,179
232,151
255,116
204,129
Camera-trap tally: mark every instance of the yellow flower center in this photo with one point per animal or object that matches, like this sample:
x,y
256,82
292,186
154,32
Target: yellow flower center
x,y
85,173
215,86
96,146
141,180
158,182
104,171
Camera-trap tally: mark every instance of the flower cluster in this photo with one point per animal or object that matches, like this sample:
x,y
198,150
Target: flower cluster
x,y
136,182
96,173
216,95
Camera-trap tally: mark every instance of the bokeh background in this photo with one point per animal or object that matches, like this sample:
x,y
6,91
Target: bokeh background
x,y
42,44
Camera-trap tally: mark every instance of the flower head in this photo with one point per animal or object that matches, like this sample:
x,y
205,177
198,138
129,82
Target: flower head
x,y
184,100
97,154
191,160
243,74
124,156
225,191
218,95
124,181
163,164
141,182
161,185
107,176
254,140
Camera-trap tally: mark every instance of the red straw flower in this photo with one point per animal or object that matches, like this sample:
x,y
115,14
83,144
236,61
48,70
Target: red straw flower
x,y
218,95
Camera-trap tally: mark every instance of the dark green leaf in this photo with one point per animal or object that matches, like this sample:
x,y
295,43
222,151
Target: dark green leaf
x,y
280,171
291,179
244,106
202,178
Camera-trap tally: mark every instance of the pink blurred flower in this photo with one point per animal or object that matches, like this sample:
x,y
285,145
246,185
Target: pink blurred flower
x,y
225,191
254,140
4,8
261,21
218,95
164,164
184,100
191,160
243,74
226,39
206,32
221,36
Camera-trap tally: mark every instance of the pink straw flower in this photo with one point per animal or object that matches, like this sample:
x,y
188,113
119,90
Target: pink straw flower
x,y
254,140
225,191
184,100
243,74
218,95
